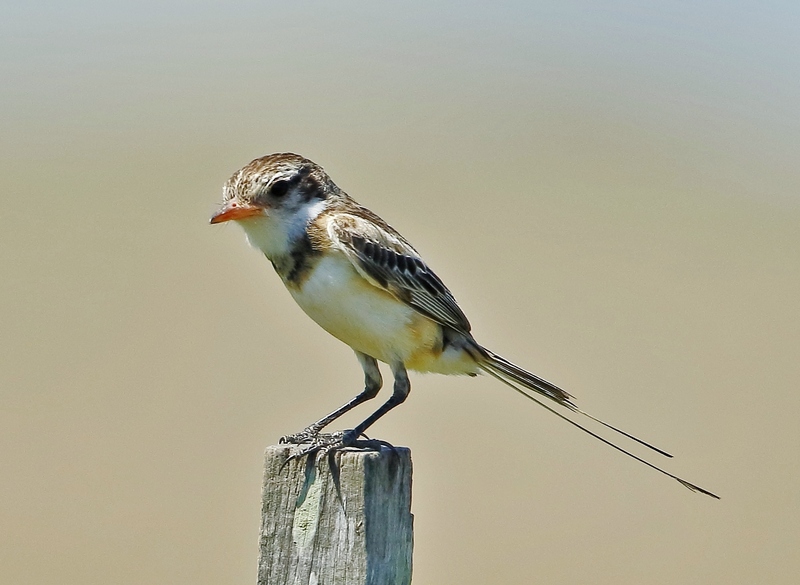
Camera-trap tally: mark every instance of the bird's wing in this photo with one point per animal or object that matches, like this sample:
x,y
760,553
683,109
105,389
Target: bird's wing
x,y
387,260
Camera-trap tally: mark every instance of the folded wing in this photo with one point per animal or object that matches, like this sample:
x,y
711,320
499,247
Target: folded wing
x,y
387,260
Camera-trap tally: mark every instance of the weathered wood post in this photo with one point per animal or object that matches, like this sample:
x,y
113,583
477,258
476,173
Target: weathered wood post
x,y
349,523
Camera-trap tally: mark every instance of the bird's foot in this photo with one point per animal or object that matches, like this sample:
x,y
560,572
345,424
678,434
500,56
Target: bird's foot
x,y
323,444
319,443
307,436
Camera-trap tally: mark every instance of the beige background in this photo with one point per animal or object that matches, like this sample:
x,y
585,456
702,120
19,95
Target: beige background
x,y
611,193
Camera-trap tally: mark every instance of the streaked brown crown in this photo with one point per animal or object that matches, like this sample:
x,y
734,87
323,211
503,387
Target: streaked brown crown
x,y
251,181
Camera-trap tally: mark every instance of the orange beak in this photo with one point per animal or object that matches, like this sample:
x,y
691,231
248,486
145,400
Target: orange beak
x,y
234,210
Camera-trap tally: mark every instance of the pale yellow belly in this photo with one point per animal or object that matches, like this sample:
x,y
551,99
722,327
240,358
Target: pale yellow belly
x,y
372,321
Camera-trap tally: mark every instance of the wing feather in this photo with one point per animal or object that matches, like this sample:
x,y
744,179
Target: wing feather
x,y
387,260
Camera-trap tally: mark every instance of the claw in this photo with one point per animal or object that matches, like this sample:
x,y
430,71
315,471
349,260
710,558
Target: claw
x,y
322,444
304,437
318,443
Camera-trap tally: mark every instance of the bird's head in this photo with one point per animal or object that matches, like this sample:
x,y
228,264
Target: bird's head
x,y
273,198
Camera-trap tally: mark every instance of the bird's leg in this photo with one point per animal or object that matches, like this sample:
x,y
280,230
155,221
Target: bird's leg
x,y
372,384
402,386
325,443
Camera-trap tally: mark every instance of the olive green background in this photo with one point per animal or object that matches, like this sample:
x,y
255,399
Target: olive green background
x,y
611,192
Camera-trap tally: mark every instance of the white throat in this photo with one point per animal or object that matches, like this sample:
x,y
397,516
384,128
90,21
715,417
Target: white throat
x,y
276,234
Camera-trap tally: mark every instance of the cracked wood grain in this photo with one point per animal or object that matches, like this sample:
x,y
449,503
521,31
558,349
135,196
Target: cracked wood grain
x,y
344,520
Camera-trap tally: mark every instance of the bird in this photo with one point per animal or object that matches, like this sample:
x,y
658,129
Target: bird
x,y
364,283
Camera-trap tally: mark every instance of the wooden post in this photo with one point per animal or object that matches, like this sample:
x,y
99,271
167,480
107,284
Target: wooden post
x,y
346,524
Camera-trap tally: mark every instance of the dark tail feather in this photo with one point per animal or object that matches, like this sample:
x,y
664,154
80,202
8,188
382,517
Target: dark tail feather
x,y
498,365
505,368
494,371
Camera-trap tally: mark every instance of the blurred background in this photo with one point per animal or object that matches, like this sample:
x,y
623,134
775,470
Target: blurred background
x,y
611,191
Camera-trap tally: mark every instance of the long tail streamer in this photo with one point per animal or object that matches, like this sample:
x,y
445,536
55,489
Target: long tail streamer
x,y
509,373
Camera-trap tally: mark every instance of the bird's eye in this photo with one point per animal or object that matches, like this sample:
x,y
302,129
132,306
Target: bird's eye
x,y
279,189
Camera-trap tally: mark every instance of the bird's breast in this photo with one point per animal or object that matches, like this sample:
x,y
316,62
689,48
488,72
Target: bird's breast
x,y
367,318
